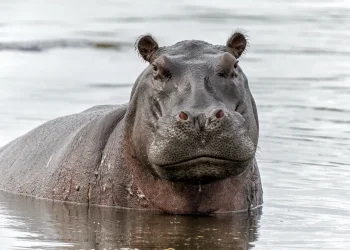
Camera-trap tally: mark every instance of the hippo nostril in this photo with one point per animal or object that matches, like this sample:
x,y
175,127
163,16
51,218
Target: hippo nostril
x,y
219,114
183,116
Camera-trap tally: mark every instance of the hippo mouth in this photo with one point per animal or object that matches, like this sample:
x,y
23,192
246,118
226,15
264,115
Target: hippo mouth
x,y
202,169
202,159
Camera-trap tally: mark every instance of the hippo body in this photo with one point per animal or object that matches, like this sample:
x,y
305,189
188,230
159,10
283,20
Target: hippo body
x,y
184,144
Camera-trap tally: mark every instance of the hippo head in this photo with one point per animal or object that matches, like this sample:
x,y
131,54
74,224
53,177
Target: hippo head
x,y
192,116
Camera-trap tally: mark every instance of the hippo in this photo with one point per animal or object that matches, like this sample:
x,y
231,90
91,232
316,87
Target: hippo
x,y
184,144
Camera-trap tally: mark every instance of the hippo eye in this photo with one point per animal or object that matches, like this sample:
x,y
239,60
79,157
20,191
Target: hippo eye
x,y
154,68
227,74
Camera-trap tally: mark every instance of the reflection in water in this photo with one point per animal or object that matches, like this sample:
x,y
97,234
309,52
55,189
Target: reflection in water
x,y
62,225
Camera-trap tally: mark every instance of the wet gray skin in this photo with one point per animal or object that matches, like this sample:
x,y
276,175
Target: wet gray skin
x,y
185,143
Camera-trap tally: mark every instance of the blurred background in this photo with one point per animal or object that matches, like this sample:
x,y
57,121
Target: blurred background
x,y
61,57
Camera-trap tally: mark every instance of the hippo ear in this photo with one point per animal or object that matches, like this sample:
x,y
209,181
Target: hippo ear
x,y
146,46
237,42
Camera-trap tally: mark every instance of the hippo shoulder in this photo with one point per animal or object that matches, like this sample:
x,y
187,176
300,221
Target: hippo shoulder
x,y
33,163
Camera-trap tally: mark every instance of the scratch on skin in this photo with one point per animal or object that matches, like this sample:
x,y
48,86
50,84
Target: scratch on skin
x,y
67,192
128,186
141,195
48,163
89,194
103,160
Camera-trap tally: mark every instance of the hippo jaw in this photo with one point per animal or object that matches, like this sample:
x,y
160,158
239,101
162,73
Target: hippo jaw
x,y
201,170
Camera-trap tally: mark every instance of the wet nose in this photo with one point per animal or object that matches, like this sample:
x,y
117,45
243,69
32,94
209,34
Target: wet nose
x,y
202,120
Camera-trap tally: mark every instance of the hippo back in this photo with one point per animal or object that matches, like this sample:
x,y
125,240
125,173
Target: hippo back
x,y
37,162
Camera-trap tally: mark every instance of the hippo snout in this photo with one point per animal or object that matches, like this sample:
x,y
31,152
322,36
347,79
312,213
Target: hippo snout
x,y
201,146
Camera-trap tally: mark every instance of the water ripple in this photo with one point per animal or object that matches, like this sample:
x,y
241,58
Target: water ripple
x,y
40,46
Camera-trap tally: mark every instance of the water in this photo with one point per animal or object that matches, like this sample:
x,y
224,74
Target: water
x,y
62,57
